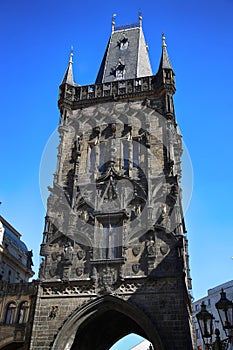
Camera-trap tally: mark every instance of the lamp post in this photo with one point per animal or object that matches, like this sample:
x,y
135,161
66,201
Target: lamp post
x,y
205,321
225,310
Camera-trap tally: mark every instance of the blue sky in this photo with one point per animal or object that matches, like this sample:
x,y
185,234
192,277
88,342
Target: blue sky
x,y
36,37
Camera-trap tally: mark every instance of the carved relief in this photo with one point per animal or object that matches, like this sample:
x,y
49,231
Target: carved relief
x,y
136,268
80,254
150,247
62,289
107,279
53,312
164,249
80,271
136,250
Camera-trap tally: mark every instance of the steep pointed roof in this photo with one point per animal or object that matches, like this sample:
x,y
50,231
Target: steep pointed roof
x,y
68,77
164,62
126,55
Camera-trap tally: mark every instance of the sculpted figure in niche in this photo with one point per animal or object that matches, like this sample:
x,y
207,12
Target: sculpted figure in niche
x,y
68,253
150,246
29,259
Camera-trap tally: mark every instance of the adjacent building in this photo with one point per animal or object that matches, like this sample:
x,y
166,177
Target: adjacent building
x,y
17,295
15,258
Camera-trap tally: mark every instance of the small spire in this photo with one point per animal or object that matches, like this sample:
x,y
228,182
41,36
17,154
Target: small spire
x,y
164,62
113,22
140,17
68,77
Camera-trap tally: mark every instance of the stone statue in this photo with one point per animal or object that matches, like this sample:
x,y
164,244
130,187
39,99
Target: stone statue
x,y
68,253
29,259
150,246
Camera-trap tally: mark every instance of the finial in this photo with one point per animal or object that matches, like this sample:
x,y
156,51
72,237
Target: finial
x,y
140,17
113,22
163,40
71,54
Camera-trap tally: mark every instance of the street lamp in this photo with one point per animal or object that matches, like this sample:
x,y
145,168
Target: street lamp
x,y
205,321
225,310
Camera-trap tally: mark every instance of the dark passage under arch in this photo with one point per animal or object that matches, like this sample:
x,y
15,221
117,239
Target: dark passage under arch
x,y
101,323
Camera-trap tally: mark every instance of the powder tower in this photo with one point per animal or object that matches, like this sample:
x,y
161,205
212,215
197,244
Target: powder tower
x,y
114,247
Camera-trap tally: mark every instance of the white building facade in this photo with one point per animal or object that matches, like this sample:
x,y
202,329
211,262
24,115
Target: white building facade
x,y
15,258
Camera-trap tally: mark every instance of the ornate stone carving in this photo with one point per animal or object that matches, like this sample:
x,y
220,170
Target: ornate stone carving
x,y
80,254
80,271
53,312
164,249
63,289
150,247
68,254
136,268
107,279
136,250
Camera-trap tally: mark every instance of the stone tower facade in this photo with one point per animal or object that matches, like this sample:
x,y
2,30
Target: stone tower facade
x,y
114,250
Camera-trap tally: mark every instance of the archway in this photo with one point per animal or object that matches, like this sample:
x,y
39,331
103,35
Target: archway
x,y
101,323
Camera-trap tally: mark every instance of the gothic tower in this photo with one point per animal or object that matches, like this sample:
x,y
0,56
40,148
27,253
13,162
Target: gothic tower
x,y
114,245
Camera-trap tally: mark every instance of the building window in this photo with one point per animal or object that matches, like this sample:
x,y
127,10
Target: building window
x,y
111,242
197,333
126,154
102,157
92,160
197,307
123,43
22,313
135,154
10,313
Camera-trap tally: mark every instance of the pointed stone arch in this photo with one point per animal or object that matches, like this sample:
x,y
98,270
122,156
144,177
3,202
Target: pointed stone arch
x,y
102,322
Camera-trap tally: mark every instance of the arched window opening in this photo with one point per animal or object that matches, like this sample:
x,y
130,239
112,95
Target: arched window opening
x,y
126,154
112,241
135,154
22,313
102,157
92,159
133,342
10,313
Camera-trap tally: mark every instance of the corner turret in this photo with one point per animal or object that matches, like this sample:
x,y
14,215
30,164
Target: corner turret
x,y
166,78
66,90
68,77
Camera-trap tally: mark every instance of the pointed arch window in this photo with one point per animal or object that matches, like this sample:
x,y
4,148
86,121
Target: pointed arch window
x,y
23,312
126,155
135,154
120,70
92,159
112,242
10,313
102,157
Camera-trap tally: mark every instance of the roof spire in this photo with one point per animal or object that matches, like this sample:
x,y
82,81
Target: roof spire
x,y
113,22
140,17
164,62
68,77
